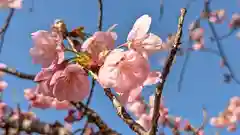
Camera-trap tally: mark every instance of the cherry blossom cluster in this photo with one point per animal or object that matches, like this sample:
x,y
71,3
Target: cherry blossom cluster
x,y
61,80
230,117
125,68
196,32
144,112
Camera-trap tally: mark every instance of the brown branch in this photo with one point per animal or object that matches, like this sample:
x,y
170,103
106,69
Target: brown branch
x,y
17,73
122,113
100,15
4,29
94,118
35,126
165,72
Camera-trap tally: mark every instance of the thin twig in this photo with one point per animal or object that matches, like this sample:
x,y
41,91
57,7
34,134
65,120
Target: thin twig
x,y
31,125
218,42
161,12
87,104
84,128
166,71
205,120
100,15
184,67
95,118
77,130
5,27
231,32
181,77
122,113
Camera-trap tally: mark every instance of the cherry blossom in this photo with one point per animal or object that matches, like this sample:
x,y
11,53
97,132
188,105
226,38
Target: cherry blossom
x,y
70,84
235,21
47,48
11,4
41,101
230,117
139,40
123,70
217,16
99,44
3,84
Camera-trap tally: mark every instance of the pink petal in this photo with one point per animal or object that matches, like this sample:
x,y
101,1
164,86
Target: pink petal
x,y
3,85
44,74
153,78
140,28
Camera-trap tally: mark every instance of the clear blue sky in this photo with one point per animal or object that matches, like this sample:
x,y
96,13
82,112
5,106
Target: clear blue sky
x,y
202,85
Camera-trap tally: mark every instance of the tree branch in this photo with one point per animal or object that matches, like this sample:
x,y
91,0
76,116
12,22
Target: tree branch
x,y
3,30
100,15
165,72
122,113
95,118
22,123
17,73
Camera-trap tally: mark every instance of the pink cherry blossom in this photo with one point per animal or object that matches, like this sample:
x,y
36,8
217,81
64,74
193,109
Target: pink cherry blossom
x,y
43,79
153,78
41,101
232,127
145,121
17,4
3,110
123,70
98,44
235,21
47,48
200,132
230,117
139,40
167,45
61,105
64,82
37,100
70,84
137,108
197,46
236,113
197,36
217,16
3,84
130,96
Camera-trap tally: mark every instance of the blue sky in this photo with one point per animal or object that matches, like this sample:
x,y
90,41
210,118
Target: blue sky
x,y
203,81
